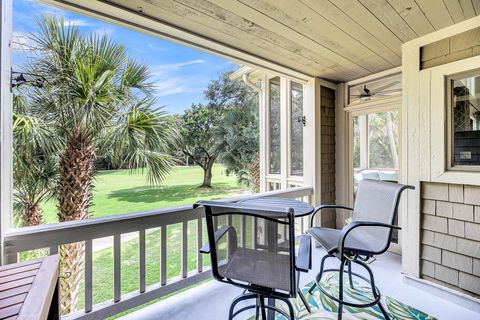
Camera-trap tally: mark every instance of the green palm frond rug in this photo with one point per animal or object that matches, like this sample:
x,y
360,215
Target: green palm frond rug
x,y
324,308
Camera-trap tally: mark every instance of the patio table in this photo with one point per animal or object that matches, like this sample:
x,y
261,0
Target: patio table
x,y
300,209
29,290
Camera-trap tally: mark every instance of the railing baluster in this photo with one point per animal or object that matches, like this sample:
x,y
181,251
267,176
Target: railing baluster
x,y
53,250
199,245
88,275
229,222
142,258
163,255
11,258
254,233
53,237
243,231
117,276
184,249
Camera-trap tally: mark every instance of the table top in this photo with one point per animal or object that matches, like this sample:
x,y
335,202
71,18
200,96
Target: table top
x,y
300,208
27,288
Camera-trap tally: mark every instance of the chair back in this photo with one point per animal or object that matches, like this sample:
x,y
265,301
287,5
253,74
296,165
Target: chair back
x,y
376,201
257,250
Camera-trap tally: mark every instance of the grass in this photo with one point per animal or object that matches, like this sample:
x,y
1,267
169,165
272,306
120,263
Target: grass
x,y
121,191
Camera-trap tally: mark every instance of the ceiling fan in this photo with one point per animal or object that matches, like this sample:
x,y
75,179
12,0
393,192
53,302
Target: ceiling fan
x,y
367,94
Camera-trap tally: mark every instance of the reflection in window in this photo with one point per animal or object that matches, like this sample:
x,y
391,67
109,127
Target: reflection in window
x,y
465,115
274,122
382,140
296,129
375,146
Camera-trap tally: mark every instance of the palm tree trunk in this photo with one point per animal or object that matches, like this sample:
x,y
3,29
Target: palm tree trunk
x,y
32,215
74,200
254,173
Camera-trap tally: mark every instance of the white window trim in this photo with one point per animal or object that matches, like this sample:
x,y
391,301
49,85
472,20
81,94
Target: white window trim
x,y
291,176
449,114
393,104
435,80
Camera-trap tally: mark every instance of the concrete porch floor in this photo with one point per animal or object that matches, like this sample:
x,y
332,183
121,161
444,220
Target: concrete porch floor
x,y
211,300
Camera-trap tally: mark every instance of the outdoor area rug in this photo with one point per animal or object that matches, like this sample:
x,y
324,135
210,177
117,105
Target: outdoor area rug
x,y
324,308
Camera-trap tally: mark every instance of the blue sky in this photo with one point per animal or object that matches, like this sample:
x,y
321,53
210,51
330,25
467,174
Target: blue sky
x,y
180,73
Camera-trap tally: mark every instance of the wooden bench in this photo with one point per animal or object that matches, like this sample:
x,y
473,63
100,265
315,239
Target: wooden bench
x,y
29,290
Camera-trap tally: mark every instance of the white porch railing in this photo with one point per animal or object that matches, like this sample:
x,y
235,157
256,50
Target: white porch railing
x,y
54,235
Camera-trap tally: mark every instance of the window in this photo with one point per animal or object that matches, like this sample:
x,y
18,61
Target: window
x,y
274,123
375,143
296,129
464,121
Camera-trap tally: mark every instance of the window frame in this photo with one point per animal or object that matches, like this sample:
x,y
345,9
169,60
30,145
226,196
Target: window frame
x,y
289,129
435,80
449,121
268,127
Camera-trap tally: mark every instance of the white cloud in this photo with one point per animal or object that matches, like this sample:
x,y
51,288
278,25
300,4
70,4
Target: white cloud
x,y
154,47
175,85
21,42
78,22
169,79
163,69
100,32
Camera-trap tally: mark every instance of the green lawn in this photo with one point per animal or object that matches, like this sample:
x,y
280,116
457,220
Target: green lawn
x,y
121,191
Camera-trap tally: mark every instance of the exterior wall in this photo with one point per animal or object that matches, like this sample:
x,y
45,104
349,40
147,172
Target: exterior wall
x,y
454,48
327,133
441,229
450,231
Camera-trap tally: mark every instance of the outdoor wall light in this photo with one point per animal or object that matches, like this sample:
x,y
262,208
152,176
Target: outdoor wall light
x,y
18,79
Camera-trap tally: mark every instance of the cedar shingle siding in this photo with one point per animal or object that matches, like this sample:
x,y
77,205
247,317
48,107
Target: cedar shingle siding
x,y
450,235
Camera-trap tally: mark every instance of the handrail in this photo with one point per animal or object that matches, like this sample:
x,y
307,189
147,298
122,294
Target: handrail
x,y
54,235
48,235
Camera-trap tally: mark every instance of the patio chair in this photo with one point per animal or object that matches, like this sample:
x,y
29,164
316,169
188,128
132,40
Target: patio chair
x,y
267,268
369,234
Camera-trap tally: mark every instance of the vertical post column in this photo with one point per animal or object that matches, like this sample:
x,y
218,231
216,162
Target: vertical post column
x,y
284,132
263,132
6,159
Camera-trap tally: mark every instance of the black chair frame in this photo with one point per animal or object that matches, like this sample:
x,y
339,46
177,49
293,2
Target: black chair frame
x,y
347,258
302,264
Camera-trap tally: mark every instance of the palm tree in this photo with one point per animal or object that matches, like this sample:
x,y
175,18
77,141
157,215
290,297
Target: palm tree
x,y
35,168
97,102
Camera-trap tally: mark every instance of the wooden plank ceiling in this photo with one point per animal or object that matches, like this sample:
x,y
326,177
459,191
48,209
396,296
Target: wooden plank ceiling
x,y
338,40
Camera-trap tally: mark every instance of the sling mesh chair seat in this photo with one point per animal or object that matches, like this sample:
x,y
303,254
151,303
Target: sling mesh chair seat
x,y
369,234
266,267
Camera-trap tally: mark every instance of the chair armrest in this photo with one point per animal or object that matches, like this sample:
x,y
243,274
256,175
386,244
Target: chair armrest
x,y
356,224
304,257
218,235
326,206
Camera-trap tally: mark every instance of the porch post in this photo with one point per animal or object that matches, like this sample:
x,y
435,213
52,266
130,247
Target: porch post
x,y
6,159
